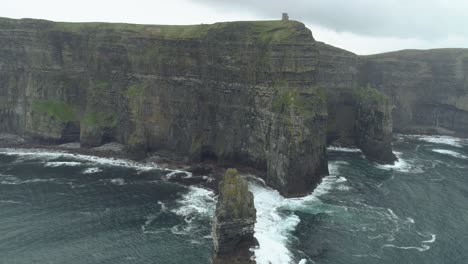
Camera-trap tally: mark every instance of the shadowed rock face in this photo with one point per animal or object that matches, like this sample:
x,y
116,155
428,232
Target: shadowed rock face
x,y
429,89
234,220
359,116
240,92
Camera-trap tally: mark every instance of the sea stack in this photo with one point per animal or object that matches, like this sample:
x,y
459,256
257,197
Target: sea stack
x,y
234,221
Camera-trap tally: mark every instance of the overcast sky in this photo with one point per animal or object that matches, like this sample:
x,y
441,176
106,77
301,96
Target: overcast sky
x,y
361,26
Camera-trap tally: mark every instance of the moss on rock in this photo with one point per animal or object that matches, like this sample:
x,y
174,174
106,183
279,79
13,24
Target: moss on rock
x,y
61,111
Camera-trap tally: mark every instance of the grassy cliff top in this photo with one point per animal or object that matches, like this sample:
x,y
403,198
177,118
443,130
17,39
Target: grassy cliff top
x,y
246,31
412,54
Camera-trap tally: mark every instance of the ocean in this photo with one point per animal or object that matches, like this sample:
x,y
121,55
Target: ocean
x,y
64,208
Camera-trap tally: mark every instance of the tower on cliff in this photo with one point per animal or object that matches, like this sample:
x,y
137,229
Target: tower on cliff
x,y
285,17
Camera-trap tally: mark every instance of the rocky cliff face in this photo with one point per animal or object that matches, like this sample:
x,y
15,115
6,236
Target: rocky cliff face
x,y
241,92
429,89
234,220
359,116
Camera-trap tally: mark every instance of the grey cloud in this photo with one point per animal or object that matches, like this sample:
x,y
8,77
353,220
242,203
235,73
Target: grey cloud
x,y
423,19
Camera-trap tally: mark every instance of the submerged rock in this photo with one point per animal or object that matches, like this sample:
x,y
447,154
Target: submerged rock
x,y
234,221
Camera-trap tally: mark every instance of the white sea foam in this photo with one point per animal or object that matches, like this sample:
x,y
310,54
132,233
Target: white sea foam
x,y
401,165
446,140
342,149
91,170
450,153
12,180
50,155
420,249
432,240
12,202
197,202
273,227
175,172
423,247
55,164
149,220
118,181
276,219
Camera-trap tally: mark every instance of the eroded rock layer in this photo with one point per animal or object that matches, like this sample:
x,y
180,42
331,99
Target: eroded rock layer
x,y
241,92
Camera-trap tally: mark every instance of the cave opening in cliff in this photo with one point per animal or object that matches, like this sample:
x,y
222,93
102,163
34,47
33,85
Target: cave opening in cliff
x,y
107,137
71,132
208,154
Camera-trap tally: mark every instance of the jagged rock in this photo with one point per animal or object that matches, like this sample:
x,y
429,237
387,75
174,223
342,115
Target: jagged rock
x,y
234,220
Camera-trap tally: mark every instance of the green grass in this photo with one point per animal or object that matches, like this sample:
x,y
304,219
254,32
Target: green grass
x,y
135,91
56,109
249,31
370,95
302,104
101,119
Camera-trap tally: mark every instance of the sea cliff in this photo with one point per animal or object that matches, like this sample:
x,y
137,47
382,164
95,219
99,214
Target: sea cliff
x,y
261,94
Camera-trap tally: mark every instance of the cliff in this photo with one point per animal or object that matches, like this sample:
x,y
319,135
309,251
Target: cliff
x,y
234,221
242,92
429,88
262,94
358,115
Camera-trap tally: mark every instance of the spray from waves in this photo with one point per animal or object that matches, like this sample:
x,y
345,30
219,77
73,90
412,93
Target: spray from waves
x,y
401,165
450,153
276,219
55,164
197,205
117,181
445,140
342,149
91,170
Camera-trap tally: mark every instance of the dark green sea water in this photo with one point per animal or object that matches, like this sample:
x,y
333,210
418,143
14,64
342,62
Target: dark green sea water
x,y
61,208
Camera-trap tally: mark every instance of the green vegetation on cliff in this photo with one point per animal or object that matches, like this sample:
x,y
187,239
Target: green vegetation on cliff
x,y
101,119
370,95
56,109
304,104
236,198
247,31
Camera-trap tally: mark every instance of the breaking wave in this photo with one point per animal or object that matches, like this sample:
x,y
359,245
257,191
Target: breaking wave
x,y
45,155
55,164
342,149
446,140
276,219
450,153
91,170
402,165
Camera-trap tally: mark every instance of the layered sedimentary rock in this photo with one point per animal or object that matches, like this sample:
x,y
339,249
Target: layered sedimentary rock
x,y
263,94
429,89
241,92
234,220
359,116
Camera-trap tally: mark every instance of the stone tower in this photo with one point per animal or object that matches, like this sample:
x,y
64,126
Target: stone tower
x,y
285,17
